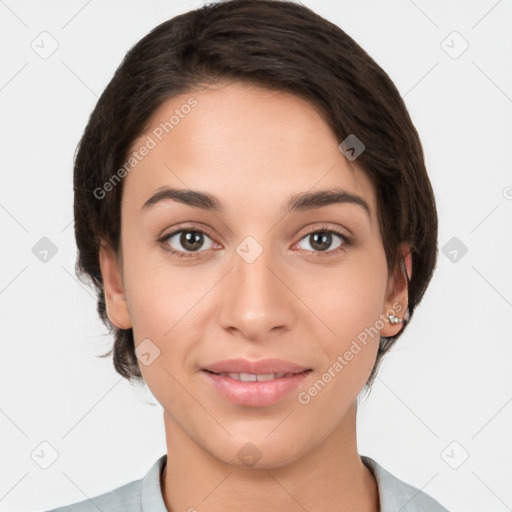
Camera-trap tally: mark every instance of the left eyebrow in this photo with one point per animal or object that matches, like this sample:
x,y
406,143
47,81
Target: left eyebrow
x,y
299,202
313,200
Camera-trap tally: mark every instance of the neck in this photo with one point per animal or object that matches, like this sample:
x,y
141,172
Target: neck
x,y
332,477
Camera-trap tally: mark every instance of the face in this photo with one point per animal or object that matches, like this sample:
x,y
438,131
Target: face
x,y
252,278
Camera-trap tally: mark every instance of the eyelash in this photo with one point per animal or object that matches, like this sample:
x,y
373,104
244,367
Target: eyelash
x,y
346,241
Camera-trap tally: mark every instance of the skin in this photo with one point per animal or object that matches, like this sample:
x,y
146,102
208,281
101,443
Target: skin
x,y
253,149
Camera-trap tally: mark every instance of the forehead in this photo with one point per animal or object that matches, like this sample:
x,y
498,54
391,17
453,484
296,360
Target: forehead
x,y
243,143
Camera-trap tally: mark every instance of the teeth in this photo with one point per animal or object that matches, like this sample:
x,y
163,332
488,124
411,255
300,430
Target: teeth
x,y
269,376
252,377
244,377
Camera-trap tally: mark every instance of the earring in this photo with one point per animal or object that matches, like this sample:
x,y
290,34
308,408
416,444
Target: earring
x,y
394,319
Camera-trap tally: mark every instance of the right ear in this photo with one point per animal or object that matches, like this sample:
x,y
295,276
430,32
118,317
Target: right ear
x,y
115,299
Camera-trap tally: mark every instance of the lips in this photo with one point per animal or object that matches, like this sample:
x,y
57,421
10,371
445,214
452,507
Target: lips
x,y
255,383
261,367
252,377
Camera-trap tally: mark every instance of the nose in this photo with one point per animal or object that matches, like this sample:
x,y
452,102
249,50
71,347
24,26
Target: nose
x,y
256,301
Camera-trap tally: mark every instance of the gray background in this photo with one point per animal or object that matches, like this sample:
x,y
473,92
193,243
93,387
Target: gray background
x,y
440,413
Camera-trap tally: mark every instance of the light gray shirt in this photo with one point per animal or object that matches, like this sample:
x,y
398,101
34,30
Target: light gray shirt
x,y
145,495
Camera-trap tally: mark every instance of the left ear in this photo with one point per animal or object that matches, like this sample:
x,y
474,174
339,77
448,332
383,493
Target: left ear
x,y
397,299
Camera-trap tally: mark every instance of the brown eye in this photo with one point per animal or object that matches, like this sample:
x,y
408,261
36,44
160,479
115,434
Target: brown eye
x,y
323,240
188,240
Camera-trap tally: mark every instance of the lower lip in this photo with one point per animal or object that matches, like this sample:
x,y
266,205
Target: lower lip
x,y
255,394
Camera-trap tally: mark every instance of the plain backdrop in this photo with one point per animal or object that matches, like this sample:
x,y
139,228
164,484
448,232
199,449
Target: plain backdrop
x,y
440,413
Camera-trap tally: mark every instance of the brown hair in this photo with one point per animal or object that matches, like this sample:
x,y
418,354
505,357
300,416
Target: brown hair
x,y
283,46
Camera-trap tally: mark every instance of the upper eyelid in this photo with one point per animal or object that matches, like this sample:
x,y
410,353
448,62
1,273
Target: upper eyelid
x,y
186,228
322,228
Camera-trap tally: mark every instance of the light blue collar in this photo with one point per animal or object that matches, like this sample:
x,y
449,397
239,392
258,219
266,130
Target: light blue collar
x,y
394,494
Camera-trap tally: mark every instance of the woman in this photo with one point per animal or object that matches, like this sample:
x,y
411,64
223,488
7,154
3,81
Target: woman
x,y
253,208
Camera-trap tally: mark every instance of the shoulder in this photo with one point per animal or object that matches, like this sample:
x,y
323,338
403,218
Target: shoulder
x,y
144,494
395,494
125,498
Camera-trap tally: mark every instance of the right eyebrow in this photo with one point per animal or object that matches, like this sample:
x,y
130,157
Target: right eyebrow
x,y
192,198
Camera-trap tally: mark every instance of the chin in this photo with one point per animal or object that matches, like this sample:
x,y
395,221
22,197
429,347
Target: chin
x,y
259,453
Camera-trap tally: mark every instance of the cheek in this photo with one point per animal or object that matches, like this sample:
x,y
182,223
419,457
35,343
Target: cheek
x,y
347,298
165,307
349,302
159,293
350,309
168,305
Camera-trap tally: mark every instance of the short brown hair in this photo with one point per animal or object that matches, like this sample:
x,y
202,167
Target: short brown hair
x,y
279,45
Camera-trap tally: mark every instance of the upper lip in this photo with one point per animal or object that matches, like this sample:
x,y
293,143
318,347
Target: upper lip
x,y
261,367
